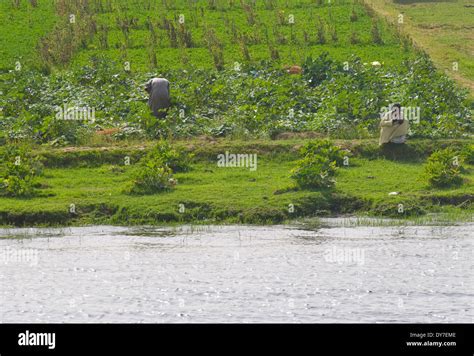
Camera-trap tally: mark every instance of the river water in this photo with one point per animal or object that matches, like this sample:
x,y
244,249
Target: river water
x,y
238,274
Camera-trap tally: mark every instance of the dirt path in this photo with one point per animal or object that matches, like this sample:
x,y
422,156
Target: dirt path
x,y
427,38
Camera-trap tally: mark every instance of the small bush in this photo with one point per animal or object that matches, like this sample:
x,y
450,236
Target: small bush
x,y
321,32
318,166
443,168
177,160
152,177
18,172
324,148
315,71
155,171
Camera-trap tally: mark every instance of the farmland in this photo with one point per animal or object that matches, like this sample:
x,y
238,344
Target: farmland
x,y
22,27
226,61
182,33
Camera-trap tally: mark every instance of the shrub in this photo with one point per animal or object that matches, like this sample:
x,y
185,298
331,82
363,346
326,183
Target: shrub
x,y
18,172
177,160
152,177
324,148
333,32
315,71
314,172
318,166
443,168
155,171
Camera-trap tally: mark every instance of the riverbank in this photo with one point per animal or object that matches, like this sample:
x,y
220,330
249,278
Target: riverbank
x,y
86,185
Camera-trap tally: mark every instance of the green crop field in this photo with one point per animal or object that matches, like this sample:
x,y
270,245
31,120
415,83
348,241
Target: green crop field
x,y
22,27
227,62
180,33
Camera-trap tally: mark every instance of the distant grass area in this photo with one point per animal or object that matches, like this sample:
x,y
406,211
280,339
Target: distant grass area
x,y
21,30
95,182
444,29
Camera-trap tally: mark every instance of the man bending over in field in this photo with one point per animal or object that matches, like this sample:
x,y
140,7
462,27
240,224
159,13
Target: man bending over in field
x,y
159,100
393,126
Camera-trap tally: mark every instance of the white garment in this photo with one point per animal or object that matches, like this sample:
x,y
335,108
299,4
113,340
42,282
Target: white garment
x,y
390,131
159,90
399,139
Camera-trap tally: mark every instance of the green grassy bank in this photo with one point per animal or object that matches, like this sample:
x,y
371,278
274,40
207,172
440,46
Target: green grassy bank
x,y
94,180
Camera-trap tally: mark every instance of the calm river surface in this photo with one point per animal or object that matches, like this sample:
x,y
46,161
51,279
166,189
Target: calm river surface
x,y
237,274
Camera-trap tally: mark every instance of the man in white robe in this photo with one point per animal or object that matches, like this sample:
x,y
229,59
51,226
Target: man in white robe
x,y
393,126
159,100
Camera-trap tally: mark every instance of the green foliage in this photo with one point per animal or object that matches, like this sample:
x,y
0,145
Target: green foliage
x,y
152,177
18,172
255,101
315,71
324,148
155,171
318,166
443,168
376,33
177,160
467,153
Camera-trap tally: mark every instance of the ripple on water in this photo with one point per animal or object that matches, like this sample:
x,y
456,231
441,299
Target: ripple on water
x,y
237,274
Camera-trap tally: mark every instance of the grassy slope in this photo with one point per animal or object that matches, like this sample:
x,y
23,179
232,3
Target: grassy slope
x,y
444,29
21,30
230,194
